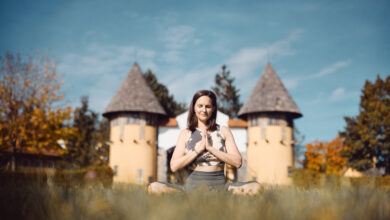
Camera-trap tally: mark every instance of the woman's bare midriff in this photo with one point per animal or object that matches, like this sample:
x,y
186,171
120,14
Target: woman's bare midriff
x,y
208,168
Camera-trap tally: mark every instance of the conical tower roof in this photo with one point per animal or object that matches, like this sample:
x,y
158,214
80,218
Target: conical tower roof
x,y
134,95
270,95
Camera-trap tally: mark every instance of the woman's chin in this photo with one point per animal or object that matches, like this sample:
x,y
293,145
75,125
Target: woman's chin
x,y
203,119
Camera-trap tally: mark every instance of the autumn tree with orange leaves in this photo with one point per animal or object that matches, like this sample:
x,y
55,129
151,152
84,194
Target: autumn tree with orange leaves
x,y
325,157
31,116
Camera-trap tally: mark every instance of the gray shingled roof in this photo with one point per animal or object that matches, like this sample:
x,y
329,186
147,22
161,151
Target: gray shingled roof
x,y
269,95
134,95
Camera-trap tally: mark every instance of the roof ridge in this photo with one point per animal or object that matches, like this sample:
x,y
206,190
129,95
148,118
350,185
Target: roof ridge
x,y
269,95
134,95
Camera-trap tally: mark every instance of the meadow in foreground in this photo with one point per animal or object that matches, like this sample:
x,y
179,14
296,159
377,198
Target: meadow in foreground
x,y
133,202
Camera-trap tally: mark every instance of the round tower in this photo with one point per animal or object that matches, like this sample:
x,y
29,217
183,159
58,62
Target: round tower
x,y
133,113
270,111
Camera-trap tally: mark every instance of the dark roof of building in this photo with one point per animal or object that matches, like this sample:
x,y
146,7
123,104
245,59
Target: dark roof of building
x,y
269,95
134,95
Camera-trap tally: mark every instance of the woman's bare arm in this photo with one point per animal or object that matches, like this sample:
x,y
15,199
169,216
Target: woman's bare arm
x,y
232,156
179,158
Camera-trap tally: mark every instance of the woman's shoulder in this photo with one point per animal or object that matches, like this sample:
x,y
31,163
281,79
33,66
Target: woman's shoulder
x,y
185,132
184,135
224,130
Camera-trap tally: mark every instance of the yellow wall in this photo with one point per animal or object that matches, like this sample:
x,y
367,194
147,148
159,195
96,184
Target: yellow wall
x,y
268,162
133,153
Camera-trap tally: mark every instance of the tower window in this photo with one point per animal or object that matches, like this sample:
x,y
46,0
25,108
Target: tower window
x,y
115,170
264,130
283,132
115,122
139,179
273,121
289,171
132,119
50,164
253,120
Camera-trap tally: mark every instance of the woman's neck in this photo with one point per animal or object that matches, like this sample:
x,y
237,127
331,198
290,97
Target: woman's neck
x,y
202,125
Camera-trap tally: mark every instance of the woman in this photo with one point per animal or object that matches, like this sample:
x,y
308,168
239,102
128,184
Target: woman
x,y
204,147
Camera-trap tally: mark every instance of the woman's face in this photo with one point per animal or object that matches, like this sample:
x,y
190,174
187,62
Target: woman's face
x,y
203,108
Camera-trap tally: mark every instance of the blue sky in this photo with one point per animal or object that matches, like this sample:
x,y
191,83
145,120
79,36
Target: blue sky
x,y
322,50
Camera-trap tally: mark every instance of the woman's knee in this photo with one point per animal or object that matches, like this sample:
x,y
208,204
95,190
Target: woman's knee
x,y
249,188
155,187
253,188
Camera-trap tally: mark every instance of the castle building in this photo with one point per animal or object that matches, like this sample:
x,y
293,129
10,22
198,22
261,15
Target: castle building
x,y
270,111
133,113
142,137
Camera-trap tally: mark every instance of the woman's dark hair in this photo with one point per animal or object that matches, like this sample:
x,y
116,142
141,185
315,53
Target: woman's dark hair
x,y
192,120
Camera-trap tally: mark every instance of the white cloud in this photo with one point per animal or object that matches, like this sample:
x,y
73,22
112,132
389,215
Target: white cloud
x,y
172,56
100,59
338,94
99,70
187,84
176,39
243,64
331,68
249,60
290,83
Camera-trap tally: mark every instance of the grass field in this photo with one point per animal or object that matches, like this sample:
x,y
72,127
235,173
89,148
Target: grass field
x,y
34,201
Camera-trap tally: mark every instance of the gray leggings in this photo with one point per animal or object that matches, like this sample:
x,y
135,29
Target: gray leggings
x,y
213,180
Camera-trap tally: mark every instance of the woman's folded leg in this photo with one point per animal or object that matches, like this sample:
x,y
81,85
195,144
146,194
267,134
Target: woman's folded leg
x,y
251,187
162,187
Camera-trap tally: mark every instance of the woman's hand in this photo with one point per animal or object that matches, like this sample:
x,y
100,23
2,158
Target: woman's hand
x,y
199,148
232,156
207,143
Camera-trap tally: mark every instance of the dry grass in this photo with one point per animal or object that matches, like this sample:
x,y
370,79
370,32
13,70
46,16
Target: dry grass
x,y
32,201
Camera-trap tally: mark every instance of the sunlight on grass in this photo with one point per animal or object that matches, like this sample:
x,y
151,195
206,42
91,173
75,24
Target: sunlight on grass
x,y
125,201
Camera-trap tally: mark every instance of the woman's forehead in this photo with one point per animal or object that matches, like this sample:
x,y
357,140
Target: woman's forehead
x,y
205,100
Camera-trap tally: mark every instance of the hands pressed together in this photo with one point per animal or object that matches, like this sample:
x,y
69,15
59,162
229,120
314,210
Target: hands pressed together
x,y
203,144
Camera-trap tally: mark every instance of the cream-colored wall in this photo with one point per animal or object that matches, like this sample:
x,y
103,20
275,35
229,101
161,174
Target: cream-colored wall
x,y
269,159
133,153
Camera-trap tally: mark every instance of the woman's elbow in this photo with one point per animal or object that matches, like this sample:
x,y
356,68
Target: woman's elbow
x,y
174,168
238,163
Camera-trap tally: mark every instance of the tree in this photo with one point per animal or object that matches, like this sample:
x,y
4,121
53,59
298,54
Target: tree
x,y
314,156
88,144
171,107
368,134
335,161
325,157
227,94
31,117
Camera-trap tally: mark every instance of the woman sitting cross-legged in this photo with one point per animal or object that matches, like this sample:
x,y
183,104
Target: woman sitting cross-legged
x,y
204,147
